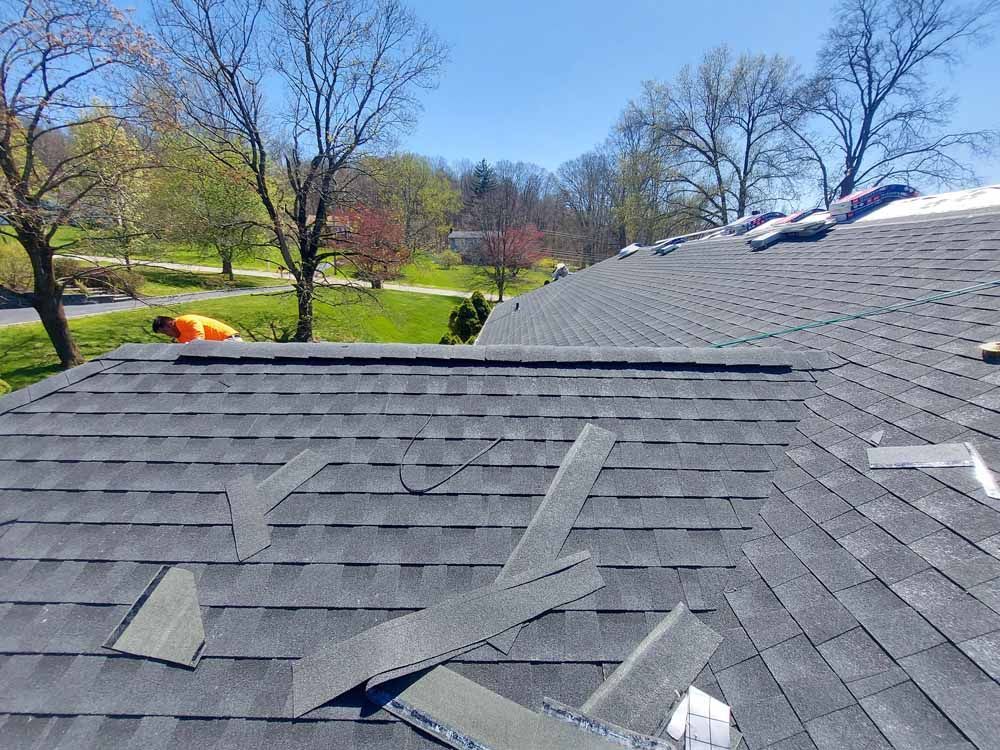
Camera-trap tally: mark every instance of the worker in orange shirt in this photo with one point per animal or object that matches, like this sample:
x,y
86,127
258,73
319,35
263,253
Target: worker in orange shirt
x,y
187,328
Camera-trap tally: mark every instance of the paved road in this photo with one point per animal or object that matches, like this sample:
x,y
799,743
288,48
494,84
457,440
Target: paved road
x,y
438,291
28,314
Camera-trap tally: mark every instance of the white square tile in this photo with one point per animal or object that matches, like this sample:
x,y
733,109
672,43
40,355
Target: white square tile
x,y
720,734
700,702
699,728
719,711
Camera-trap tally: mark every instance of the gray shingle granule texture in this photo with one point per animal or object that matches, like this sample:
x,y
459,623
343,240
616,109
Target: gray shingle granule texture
x,y
116,473
884,582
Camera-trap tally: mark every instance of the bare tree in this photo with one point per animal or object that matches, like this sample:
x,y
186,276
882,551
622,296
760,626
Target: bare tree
x,y
56,58
350,70
879,117
588,191
720,132
511,242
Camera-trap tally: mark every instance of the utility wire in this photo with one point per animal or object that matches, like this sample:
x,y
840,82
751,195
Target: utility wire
x,y
862,314
402,460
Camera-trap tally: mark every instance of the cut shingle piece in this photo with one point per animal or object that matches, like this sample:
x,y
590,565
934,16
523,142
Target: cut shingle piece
x,y
762,616
165,621
249,501
433,635
807,681
551,524
897,627
861,663
760,709
909,720
667,660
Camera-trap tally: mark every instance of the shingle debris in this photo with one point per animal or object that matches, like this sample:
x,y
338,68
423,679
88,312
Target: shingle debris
x,y
165,621
249,500
558,511
665,663
431,636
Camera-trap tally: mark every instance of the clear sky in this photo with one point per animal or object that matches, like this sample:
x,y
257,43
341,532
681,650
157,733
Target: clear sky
x,y
543,80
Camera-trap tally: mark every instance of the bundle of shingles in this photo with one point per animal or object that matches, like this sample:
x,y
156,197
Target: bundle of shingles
x,y
398,662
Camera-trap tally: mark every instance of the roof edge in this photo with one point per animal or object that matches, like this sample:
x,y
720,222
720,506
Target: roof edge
x,y
734,357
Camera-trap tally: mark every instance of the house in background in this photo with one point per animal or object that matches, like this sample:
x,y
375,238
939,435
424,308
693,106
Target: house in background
x,y
465,243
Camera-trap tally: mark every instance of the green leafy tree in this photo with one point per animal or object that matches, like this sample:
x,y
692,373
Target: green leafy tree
x,y
423,199
118,170
55,56
207,202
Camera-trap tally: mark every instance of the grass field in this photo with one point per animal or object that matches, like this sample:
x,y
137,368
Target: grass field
x,y
164,281
26,354
423,271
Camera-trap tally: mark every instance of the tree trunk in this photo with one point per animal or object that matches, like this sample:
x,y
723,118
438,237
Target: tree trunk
x,y
227,266
304,290
47,301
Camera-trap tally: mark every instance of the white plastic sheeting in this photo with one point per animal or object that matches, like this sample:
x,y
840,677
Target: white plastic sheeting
x,y
928,205
702,721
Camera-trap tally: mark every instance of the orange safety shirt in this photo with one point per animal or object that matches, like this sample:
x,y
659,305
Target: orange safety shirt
x,y
192,327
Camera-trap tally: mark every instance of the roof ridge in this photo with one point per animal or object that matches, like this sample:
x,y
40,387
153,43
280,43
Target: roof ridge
x,y
526,354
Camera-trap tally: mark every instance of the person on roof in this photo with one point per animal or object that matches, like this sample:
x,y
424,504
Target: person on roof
x,y
187,328
560,271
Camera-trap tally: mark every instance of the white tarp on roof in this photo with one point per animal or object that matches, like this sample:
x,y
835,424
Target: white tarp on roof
x,y
959,200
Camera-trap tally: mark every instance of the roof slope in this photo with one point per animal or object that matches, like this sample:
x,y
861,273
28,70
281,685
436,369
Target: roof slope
x,y
714,291
892,575
117,468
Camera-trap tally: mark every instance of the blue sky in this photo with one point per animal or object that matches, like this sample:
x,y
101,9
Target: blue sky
x,y
543,80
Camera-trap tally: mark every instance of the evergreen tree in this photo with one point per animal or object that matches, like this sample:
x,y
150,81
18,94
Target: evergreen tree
x,y
482,307
484,179
466,320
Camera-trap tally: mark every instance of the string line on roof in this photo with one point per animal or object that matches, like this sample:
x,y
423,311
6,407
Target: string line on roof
x,y
862,314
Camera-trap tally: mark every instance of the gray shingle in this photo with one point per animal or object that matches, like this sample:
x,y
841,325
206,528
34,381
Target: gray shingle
x,y
810,685
909,720
964,693
897,627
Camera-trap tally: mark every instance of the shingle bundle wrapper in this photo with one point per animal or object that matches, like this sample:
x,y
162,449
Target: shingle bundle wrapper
x,y
431,636
465,715
862,201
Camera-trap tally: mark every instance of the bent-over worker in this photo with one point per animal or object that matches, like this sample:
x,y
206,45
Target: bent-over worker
x,y
186,328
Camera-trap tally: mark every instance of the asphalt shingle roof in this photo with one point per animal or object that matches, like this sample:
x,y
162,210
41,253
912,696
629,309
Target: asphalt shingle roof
x,y
885,582
118,468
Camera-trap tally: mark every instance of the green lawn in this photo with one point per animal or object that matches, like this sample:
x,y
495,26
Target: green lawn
x,y
161,282
262,259
26,354
425,272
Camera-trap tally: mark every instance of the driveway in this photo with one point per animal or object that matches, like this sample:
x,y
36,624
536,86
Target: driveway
x,y
438,291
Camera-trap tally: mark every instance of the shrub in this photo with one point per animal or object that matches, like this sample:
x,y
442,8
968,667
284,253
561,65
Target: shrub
x,y
547,264
466,320
447,258
15,269
4,387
